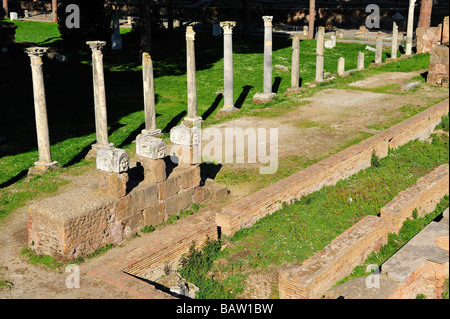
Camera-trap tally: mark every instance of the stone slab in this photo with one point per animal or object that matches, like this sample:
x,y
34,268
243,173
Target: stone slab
x,y
422,247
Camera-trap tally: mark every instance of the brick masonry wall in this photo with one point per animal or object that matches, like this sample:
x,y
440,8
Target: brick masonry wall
x,y
316,275
80,221
438,71
424,195
245,212
427,279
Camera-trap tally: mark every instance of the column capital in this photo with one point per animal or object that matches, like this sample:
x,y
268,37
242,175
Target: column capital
x,y
37,52
267,20
190,34
228,26
96,45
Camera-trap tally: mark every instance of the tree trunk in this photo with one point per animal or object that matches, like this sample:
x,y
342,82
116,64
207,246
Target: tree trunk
x,y
425,13
312,16
145,24
5,7
54,7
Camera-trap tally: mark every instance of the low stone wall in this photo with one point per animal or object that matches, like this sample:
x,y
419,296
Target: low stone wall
x,y
420,266
163,255
78,222
245,212
423,196
333,263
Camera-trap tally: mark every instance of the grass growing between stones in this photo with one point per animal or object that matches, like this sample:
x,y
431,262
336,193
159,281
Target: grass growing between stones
x,y
410,228
298,231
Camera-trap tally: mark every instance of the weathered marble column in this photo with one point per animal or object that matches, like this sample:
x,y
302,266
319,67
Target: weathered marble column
x,y
267,54
410,28
295,72
227,27
267,94
379,48
149,96
40,108
394,48
320,54
101,123
341,66
192,117
360,64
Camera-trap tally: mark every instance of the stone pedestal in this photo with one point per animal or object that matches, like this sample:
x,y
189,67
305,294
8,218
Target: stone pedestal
x,y
154,170
227,27
149,95
320,54
113,184
40,107
186,149
192,118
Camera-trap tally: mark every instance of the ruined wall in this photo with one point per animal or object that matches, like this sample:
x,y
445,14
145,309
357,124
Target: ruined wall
x,y
80,221
245,212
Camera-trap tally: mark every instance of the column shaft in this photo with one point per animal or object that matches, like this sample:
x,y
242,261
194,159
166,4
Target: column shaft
x,y
149,94
319,54
295,73
268,56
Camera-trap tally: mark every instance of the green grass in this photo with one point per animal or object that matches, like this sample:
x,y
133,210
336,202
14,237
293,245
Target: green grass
x,y
410,228
70,98
298,231
41,33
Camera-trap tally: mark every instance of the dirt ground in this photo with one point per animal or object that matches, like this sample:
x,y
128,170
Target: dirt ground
x,y
313,130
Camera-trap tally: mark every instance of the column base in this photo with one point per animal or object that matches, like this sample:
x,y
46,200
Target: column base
x,y
41,168
263,98
192,121
226,110
93,151
156,132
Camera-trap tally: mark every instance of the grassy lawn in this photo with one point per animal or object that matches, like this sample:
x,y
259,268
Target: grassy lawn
x,y
298,231
69,96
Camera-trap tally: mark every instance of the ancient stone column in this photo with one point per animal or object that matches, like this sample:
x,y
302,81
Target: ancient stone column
x,y
227,27
379,48
40,107
149,96
410,28
101,123
425,13
360,64
267,54
192,117
295,72
394,48
319,54
341,66
267,94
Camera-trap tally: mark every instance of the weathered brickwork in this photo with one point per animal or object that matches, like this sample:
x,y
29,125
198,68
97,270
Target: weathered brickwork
x,y
245,212
78,222
316,275
423,196
438,71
